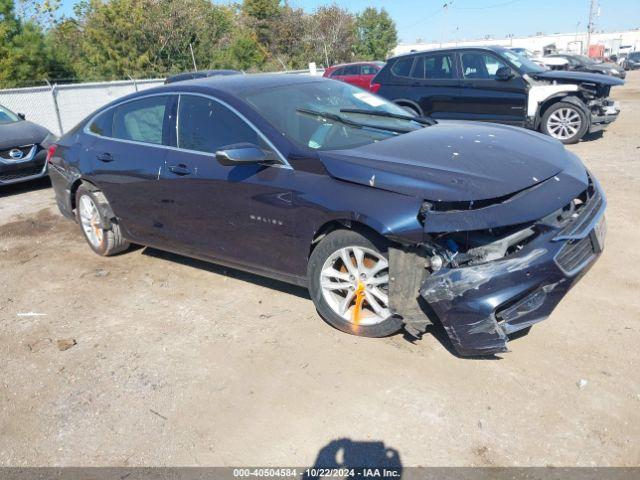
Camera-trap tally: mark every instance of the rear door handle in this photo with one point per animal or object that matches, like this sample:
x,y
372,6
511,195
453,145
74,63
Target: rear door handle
x,y
180,170
105,157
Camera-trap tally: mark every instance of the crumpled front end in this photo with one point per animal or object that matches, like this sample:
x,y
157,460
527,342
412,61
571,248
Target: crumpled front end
x,y
482,291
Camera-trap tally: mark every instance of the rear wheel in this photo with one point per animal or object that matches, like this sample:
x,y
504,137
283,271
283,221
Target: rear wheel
x,y
349,284
565,121
91,206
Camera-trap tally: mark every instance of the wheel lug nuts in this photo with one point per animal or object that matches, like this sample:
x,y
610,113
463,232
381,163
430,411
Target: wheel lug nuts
x,y
363,276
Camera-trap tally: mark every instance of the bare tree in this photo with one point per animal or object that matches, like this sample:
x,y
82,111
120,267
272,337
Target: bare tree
x,y
331,34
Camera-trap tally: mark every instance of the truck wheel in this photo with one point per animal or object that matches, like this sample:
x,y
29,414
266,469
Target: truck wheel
x,y
349,284
90,208
565,121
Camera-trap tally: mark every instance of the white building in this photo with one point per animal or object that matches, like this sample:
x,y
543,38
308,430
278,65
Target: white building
x,y
614,42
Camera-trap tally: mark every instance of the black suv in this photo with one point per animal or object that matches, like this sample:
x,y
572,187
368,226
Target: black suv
x,y
495,84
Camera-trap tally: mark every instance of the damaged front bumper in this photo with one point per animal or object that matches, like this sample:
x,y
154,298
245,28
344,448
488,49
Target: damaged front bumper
x,y
480,306
606,115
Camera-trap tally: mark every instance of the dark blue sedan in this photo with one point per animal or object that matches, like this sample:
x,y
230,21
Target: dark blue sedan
x,y
391,220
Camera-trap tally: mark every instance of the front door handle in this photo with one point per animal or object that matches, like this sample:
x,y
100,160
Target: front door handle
x,y
105,157
180,170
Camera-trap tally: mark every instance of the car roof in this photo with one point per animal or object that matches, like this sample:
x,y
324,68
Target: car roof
x,y
364,62
488,48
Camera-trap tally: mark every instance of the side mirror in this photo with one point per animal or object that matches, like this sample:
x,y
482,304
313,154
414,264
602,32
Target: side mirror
x,y
242,155
504,73
22,116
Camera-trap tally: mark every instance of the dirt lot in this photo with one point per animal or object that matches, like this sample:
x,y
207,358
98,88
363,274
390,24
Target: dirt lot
x,y
178,362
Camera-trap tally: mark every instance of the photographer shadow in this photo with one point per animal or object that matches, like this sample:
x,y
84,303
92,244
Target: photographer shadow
x,y
345,453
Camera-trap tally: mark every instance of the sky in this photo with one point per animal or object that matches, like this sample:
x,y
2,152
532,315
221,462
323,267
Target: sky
x,y
427,20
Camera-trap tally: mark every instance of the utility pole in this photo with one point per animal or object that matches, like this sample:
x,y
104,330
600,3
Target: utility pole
x,y
591,26
193,58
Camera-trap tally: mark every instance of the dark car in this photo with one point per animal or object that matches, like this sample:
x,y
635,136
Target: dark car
x,y
582,63
632,62
495,84
23,148
359,74
181,77
388,219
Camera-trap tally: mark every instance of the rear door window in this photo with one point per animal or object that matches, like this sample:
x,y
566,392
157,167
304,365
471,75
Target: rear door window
x,y
437,66
352,70
140,120
402,67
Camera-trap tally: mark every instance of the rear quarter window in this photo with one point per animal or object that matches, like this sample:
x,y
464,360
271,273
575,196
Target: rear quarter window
x,y
140,120
402,67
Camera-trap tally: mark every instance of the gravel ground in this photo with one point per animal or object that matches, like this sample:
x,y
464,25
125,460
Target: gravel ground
x,y
178,362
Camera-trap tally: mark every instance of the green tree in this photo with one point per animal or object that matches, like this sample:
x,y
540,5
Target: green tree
x,y
376,33
261,9
25,56
115,39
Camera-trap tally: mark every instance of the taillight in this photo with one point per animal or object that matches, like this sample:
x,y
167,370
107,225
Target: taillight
x,y
374,87
51,152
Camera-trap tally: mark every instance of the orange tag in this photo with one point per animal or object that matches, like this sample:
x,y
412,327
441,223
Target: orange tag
x,y
357,308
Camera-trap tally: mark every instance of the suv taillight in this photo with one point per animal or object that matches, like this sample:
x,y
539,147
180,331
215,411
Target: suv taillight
x,y
50,152
374,87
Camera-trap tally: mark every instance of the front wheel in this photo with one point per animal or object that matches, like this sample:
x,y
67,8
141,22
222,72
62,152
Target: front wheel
x,y
565,121
349,284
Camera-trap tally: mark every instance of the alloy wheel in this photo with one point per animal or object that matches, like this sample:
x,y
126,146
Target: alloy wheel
x,y
564,123
90,220
355,284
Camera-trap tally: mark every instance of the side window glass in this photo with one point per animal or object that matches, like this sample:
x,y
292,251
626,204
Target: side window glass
x,y
140,120
402,67
368,70
207,126
338,72
481,66
352,70
103,124
438,66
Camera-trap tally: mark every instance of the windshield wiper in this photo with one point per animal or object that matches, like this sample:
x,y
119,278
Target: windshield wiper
x,y
351,123
378,113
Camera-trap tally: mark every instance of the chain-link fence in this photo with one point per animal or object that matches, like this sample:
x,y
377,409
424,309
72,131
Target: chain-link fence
x,y
61,107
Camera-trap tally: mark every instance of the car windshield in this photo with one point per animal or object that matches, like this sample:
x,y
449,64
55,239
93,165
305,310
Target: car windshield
x,y
522,62
328,115
7,116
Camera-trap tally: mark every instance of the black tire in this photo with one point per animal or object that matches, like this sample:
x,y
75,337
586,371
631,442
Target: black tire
x,y
584,127
333,242
112,240
411,109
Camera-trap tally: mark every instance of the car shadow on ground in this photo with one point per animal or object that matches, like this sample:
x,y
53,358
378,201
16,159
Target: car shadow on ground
x,y
436,329
345,453
590,137
24,187
229,272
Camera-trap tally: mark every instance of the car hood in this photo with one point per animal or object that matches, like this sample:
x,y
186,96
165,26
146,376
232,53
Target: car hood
x,y
578,77
21,133
452,161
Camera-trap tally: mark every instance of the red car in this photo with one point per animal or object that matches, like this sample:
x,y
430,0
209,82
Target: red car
x,y
359,74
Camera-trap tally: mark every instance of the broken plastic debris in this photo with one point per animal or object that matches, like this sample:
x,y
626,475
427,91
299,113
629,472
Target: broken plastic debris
x,y
581,383
31,314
